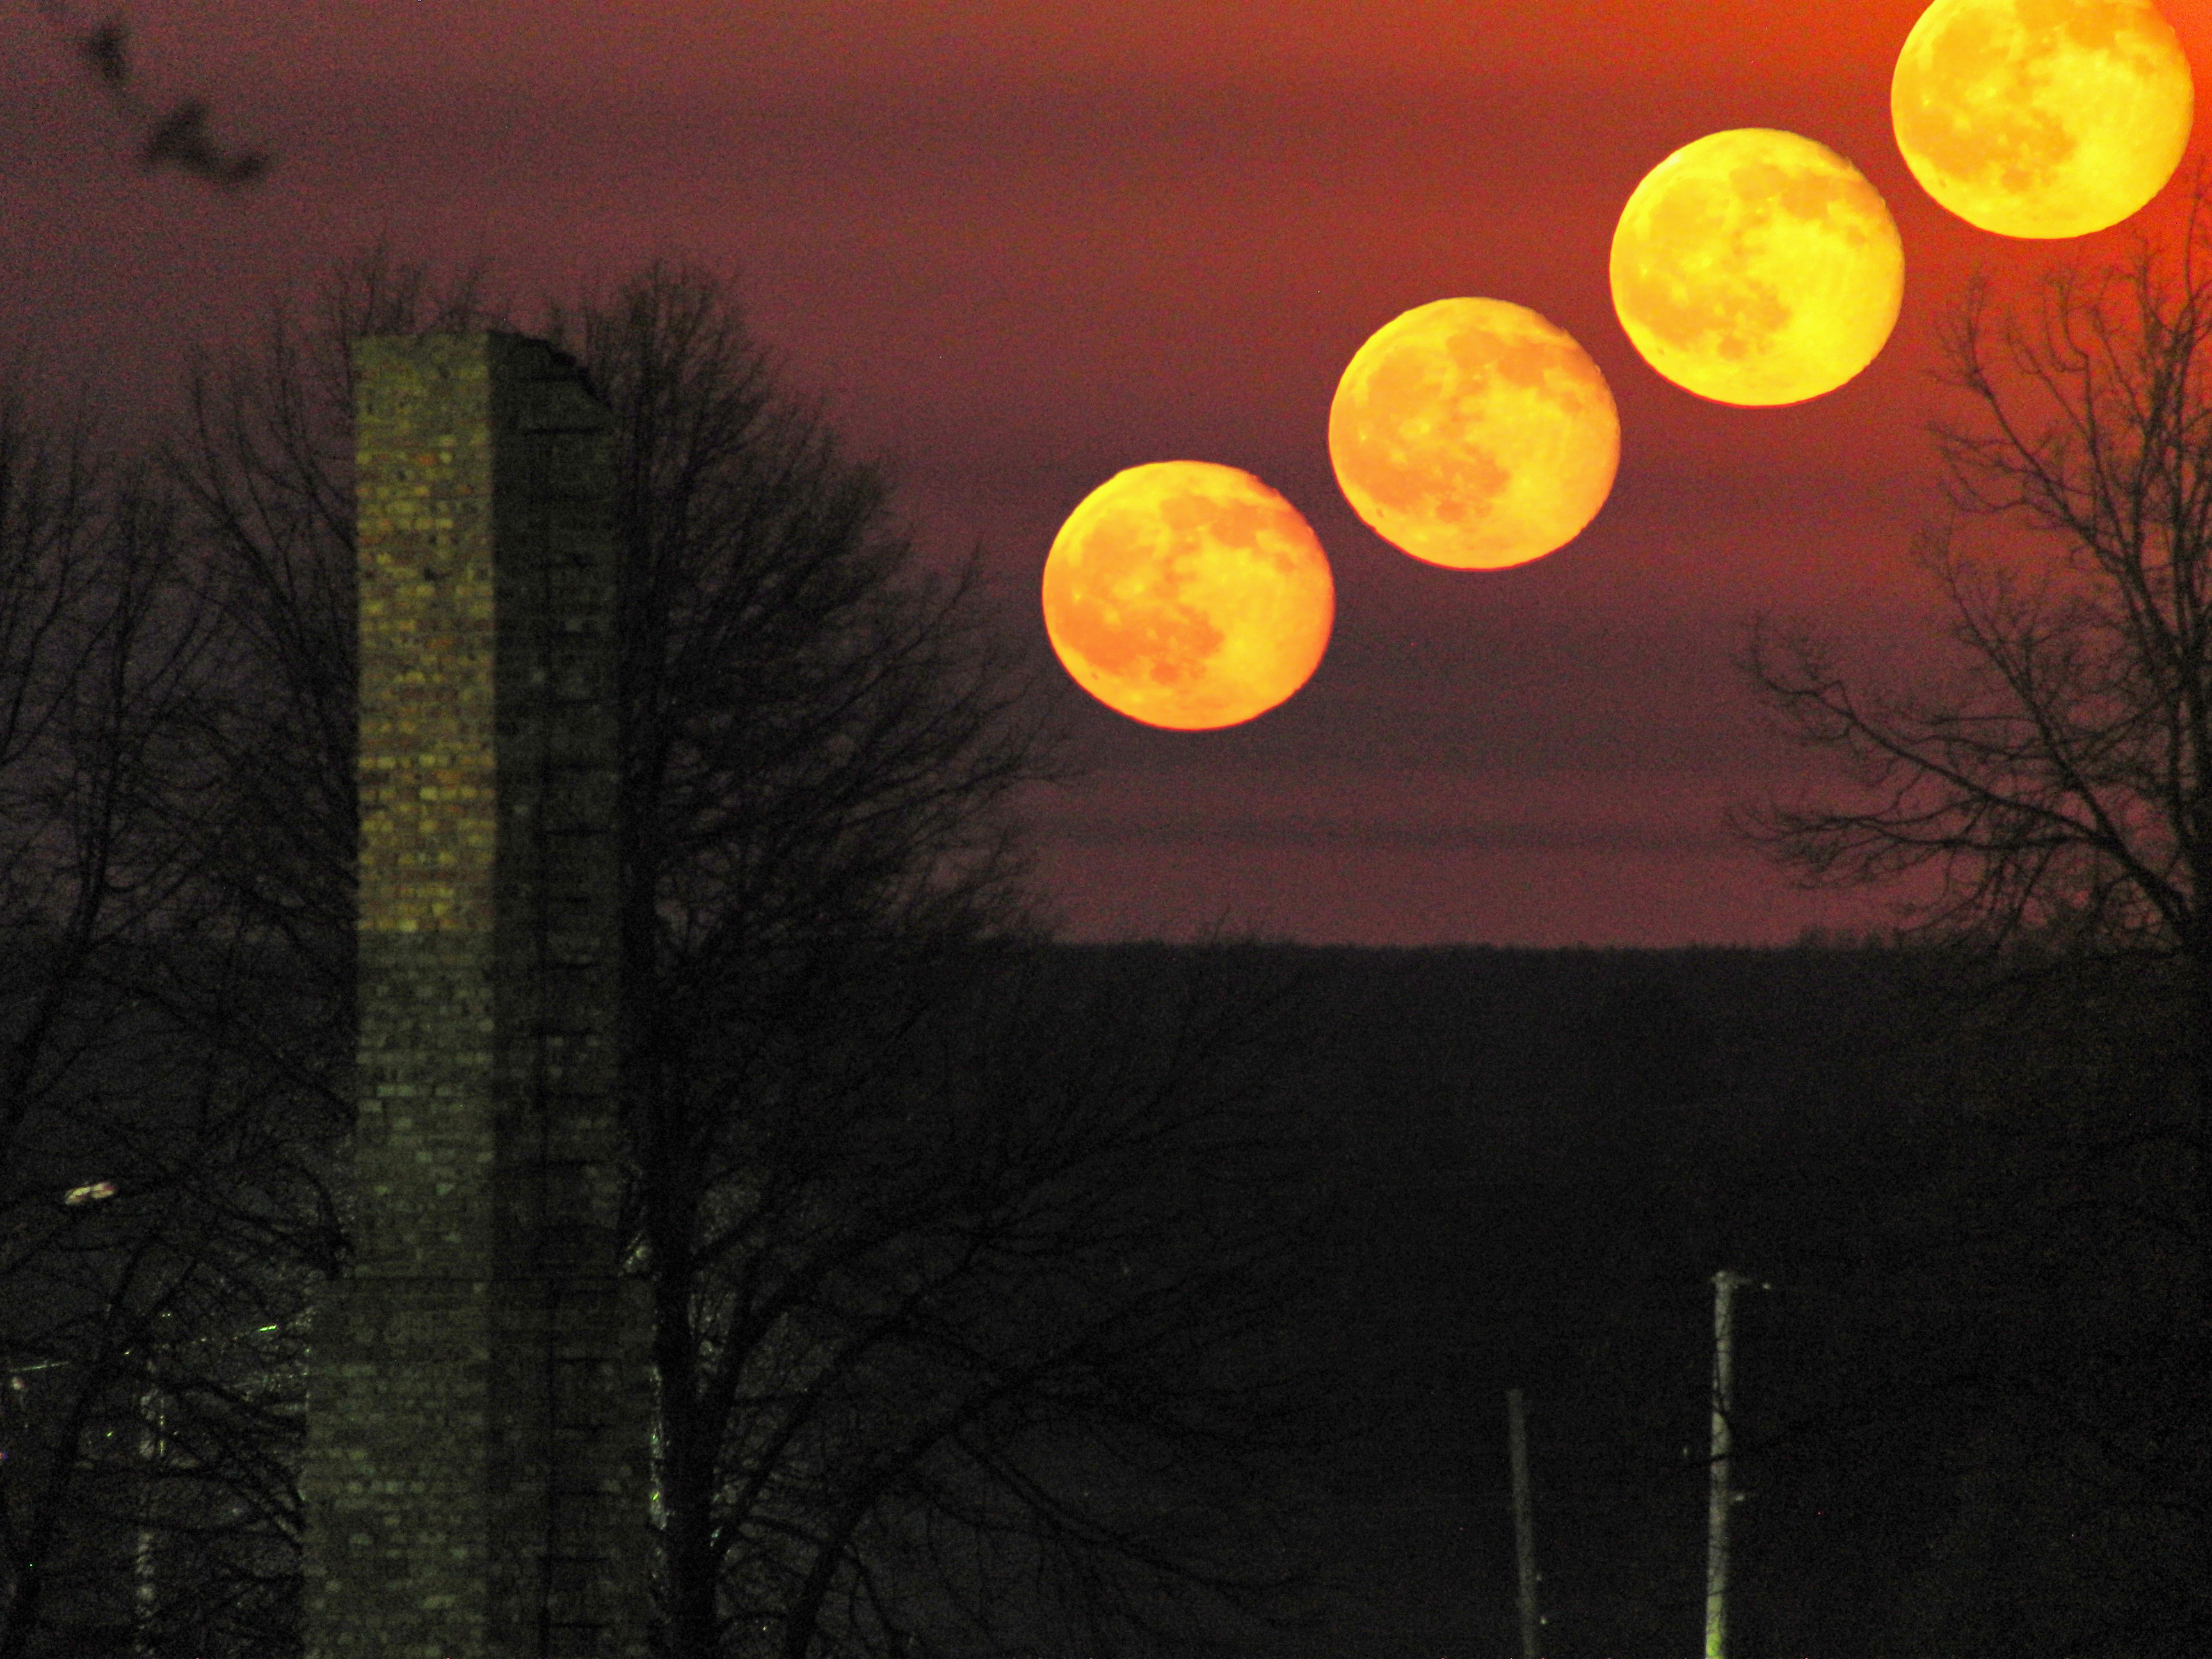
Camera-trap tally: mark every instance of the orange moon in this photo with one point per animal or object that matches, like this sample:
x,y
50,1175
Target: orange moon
x,y
1756,267
1188,595
1473,433
2042,118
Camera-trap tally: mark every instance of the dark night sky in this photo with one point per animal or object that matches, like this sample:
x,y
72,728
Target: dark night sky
x,y
1020,245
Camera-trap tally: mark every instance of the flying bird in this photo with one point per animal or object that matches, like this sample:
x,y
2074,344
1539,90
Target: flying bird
x,y
181,136
105,49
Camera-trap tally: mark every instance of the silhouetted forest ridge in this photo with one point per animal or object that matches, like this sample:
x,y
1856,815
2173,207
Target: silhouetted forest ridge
x,y
1965,1422
1968,1413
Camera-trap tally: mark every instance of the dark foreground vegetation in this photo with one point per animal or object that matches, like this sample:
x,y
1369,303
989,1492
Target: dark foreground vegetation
x,y
1965,1419
1969,1413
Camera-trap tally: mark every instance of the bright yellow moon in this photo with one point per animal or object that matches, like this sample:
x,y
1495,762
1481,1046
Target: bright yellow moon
x,y
2042,118
1188,595
1755,266
1474,435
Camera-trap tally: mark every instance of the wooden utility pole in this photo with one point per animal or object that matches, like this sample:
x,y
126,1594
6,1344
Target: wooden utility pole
x,y
1724,1287
1524,1525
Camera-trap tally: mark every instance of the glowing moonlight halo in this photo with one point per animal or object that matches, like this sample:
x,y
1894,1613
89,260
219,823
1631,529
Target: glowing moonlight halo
x,y
1188,595
1755,266
2042,118
1473,433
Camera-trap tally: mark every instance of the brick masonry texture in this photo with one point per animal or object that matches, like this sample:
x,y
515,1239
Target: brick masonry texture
x,y
479,1391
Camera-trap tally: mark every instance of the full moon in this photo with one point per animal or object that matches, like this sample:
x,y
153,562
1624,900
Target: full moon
x,y
1473,433
1188,595
2042,118
1755,266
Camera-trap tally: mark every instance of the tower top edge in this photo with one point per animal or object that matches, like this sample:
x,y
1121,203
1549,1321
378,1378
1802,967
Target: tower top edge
x,y
516,359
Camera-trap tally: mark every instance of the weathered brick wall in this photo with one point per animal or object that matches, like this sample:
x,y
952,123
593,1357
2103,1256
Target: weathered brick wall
x,y
479,1397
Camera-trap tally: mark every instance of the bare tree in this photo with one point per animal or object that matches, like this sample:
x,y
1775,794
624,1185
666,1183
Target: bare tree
x,y
2064,789
179,137
821,739
126,1237
1012,1333
2060,789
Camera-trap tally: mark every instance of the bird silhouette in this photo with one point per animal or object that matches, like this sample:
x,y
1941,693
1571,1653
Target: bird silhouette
x,y
181,138
107,48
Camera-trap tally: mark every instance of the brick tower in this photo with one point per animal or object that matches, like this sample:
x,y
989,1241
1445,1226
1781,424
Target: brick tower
x,y
479,1396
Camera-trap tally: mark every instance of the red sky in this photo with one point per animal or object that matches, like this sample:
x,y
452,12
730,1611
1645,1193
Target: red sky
x,y
1020,246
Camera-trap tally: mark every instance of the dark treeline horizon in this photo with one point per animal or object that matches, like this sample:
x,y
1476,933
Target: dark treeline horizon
x,y
1556,1147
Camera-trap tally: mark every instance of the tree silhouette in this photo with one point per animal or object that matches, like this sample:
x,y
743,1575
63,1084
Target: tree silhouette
x,y
132,1165
2061,790
2065,792
862,1220
1004,1346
